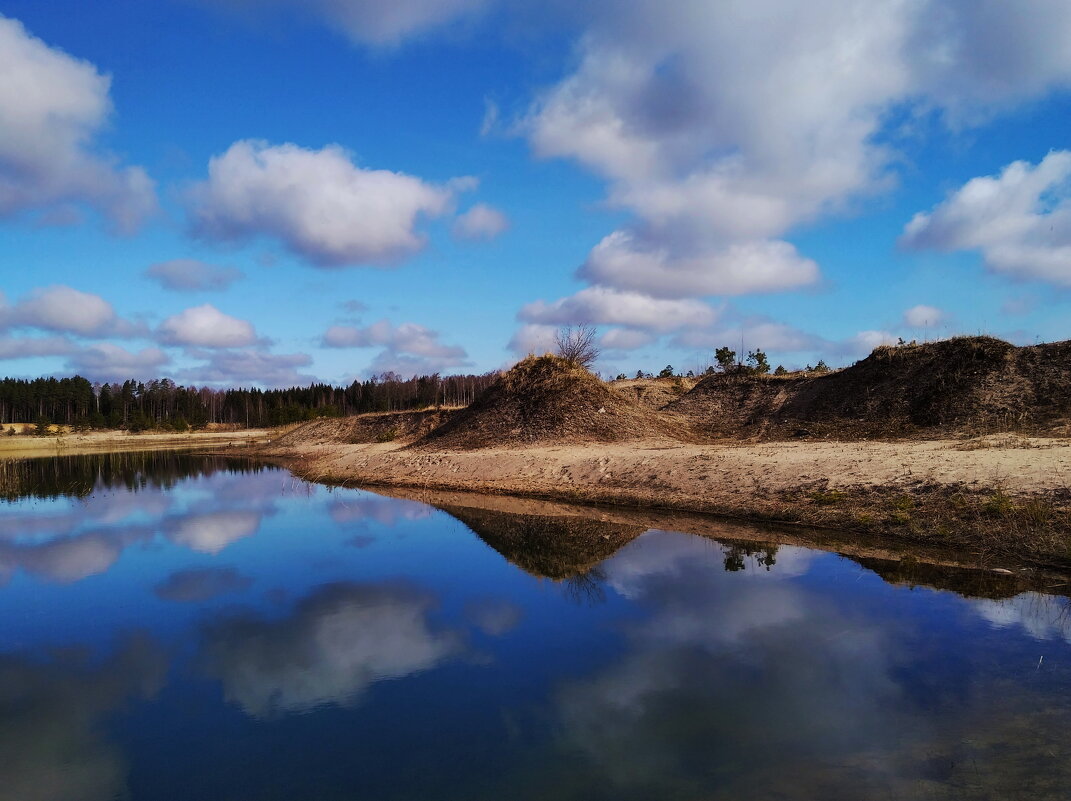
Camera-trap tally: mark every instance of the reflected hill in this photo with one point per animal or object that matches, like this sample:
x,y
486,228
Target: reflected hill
x,y
970,583
79,475
562,541
558,547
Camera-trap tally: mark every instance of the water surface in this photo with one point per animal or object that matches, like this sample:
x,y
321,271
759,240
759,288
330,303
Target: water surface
x,y
180,627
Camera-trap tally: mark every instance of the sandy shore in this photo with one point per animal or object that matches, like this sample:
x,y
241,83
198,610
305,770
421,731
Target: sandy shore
x,y
117,441
996,496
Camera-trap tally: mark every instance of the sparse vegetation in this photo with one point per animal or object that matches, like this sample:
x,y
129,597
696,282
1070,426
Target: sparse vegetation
x,y
577,345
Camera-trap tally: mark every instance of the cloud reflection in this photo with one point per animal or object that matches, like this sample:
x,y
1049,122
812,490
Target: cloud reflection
x,y
212,532
339,640
51,747
201,584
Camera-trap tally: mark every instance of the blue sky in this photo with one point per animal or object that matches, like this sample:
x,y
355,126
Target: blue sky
x,y
232,193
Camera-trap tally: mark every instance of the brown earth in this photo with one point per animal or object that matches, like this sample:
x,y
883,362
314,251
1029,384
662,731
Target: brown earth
x,y
654,393
367,428
898,445
545,399
961,386
561,541
995,498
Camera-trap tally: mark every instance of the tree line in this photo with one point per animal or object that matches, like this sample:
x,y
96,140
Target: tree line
x,y
161,403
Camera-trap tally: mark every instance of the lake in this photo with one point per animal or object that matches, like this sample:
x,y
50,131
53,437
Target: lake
x,y
184,627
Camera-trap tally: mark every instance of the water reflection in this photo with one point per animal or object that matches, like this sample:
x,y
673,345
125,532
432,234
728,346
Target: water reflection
x,y
51,712
337,642
81,475
201,584
211,533
547,546
316,643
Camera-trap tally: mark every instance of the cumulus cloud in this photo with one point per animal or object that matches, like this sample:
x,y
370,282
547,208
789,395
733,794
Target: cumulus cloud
x,y
52,107
249,367
206,327
373,22
107,362
66,310
339,641
622,260
317,203
25,347
480,222
533,338
408,349
191,275
923,316
757,333
723,127
626,339
1019,220
602,305
865,341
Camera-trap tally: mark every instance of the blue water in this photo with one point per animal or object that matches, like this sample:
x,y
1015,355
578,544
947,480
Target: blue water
x,y
178,627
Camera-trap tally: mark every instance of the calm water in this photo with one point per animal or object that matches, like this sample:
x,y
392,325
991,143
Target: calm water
x,y
175,627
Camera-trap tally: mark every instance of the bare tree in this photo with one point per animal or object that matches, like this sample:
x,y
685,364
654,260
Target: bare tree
x,y
576,344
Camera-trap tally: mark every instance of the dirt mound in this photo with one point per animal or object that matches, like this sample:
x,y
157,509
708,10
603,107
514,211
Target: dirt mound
x,y
545,399
365,428
654,393
965,385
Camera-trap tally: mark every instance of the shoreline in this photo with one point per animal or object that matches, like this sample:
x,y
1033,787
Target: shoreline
x,y
29,447
999,499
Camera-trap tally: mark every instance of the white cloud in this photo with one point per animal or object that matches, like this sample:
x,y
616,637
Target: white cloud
x,y
62,309
621,260
383,23
602,305
1019,220
626,339
207,327
724,126
249,368
318,203
107,362
408,349
52,106
865,341
533,338
480,222
756,333
191,275
26,347
923,316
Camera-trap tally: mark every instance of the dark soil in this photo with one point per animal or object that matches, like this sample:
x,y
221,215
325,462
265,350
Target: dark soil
x,y
965,385
545,399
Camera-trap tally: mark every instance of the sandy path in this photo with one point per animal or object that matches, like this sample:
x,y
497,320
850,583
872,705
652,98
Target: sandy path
x,y
704,472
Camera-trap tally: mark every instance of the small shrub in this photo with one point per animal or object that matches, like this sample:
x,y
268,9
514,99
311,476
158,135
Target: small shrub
x,y
999,504
387,435
827,497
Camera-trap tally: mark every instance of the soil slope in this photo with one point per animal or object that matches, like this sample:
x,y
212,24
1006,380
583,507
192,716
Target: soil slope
x,y
368,428
544,399
966,385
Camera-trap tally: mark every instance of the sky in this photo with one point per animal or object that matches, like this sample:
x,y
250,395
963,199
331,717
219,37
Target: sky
x,y
274,192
